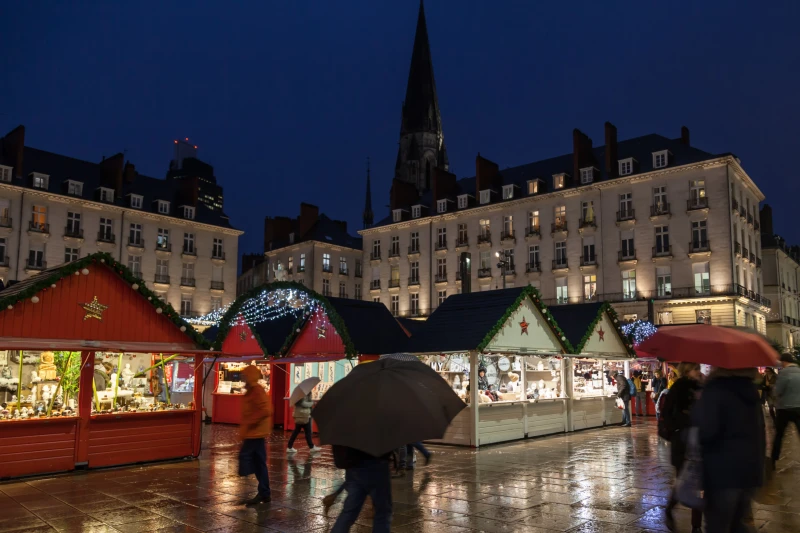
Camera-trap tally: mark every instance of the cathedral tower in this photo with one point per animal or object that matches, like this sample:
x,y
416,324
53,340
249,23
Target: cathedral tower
x,y
421,139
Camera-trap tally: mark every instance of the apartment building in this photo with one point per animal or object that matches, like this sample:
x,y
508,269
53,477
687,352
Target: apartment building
x,y
781,267
314,250
664,230
55,209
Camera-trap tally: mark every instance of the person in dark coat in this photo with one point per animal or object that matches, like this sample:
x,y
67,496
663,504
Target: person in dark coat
x,y
677,416
365,475
624,394
483,381
733,444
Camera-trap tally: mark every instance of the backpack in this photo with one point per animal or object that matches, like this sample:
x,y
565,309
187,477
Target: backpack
x,y
664,430
631,388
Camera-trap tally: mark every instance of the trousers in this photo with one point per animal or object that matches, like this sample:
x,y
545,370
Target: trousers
x,y
729,511
371,478
783,418
253,460
306,428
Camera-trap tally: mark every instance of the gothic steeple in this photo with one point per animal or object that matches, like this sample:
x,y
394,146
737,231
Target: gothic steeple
x,y
368,215
421,139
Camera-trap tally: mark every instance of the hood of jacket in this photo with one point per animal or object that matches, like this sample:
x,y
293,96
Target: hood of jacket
x,y
741,387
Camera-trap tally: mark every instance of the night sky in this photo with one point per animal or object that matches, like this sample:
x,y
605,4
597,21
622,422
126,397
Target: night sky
x,y
288,99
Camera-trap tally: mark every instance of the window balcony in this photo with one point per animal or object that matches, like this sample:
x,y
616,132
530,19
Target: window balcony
x,y
217,286
623,257
375,285
394,251
328,269
344,271
557,227
220,256
485,239
749,219
35,264
758,262
301,268
190,251
753,258
394,283
375,256
588,260
660,209
39,227
441,277
73,233
187,282
507,236
533,231
560,264
696,247
135,242
484,273
358,273
735,205
693,204
441,245
413,250
164,247
737,248
756,225
161,279
413,282
462,243
106,236
624,215
662,251
5,222
745,254
533,267
584,223
742,212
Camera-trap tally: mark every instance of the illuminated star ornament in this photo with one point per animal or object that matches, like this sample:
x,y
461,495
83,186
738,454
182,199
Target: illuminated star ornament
x,y
321,331
94,309
523,326
601,333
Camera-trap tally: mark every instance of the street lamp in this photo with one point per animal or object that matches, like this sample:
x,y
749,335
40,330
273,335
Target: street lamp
x,y
503,264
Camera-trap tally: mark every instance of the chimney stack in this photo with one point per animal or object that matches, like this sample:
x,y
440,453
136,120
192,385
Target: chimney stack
x,y
685,135
402,194
766,221
444,184
487,175
308,217
581,152
13,148
612,166
276,229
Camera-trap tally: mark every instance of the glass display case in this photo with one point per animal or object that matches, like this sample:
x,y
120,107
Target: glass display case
x,y
37,384
543,378
454,369
229,377
609,369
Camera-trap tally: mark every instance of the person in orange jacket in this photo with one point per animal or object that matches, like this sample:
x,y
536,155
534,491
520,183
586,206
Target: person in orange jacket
x,y
256,425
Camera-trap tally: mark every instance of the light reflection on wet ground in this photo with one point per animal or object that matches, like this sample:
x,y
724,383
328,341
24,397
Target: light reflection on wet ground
x,y
612,480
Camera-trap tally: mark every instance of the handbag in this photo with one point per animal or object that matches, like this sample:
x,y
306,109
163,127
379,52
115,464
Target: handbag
x,y
689,485
620,404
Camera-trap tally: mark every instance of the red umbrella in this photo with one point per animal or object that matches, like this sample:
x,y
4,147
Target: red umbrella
x,y
710,345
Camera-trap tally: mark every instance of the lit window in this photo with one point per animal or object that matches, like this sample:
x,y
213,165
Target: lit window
x,y
395,305
508,192
416,211
486,196
106,195
533,186
561,291
162,240
558,181
163,207
702,279
463,201
442,296
5,174
628,284
441,206
589,287
625,166
587,175
136,201
660,159
39,181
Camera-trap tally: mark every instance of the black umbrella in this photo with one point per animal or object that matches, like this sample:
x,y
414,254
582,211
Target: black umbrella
x,y
386,404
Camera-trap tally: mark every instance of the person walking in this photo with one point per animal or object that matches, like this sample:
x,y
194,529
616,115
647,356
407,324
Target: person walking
x,y
787,402
730,421
641,394
302,421
255,427
405,456
365,476
768,391
624,394
676,417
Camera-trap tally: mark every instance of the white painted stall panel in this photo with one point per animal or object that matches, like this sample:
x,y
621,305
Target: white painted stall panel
x,y
459,432
613,414
588,413
546,417
500,423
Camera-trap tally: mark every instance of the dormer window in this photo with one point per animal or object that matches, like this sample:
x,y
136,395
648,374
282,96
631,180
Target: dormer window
x,y
486,196
533,186
463,201
106,194
39,181
660,159
625,166
188,212
508,192
587,175
441,206
163,207
397,215
558,181
416,211
5,173
136,201
291,238
74,188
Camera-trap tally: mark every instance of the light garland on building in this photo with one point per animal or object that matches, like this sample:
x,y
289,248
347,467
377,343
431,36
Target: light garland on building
x,y
268,305
640,330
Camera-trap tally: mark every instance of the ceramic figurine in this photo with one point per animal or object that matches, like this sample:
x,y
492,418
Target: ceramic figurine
x,y
47,392
13,398
127,375
35,377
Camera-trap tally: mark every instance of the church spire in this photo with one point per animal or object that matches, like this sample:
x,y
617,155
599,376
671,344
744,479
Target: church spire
x,y
368,215
421,138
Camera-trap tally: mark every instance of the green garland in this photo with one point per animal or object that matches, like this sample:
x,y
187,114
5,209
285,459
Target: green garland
x,y
606,308
535,297
227,320
120,269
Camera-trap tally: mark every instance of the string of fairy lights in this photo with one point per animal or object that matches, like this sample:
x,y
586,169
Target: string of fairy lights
x,y
640,330
267,305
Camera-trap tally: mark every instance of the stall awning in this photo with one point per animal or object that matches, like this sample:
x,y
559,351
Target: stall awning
x,y
222,358
299,360
76,345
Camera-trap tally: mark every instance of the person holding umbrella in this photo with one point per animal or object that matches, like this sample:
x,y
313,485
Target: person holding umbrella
x,y
787,397
256,425
301,399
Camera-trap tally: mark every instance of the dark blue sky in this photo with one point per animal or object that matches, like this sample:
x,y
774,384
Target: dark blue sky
x,y
287,99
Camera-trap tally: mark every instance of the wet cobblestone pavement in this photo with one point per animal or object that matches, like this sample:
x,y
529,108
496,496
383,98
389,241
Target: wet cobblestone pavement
x,y
611,480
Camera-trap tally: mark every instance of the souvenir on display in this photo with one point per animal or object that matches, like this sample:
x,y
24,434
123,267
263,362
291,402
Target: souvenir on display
x,y
47,367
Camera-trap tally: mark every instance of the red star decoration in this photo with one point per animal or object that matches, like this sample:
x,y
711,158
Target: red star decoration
x,y
524,325
601,333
